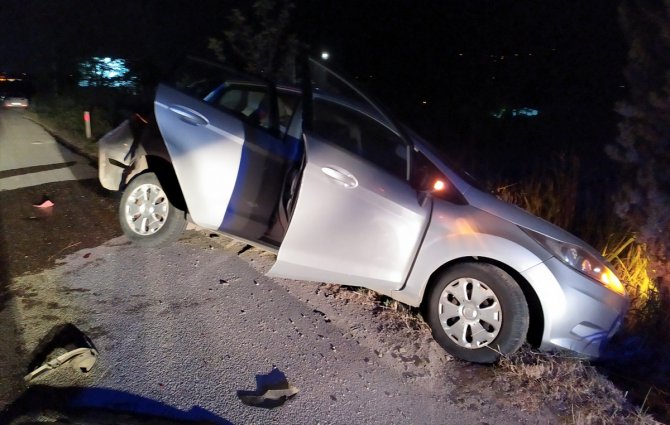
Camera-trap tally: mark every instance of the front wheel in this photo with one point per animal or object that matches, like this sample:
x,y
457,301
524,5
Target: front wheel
x,y
477,312
147,216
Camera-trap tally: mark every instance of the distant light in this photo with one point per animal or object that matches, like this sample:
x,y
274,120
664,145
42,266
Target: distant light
x,y
516,112
529,112
424,102
460,54
325,56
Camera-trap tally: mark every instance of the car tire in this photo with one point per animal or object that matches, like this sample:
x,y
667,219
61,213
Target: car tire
x,y
147,216
477,312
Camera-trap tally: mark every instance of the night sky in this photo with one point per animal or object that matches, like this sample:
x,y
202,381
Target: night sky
x,y
443,66
415,41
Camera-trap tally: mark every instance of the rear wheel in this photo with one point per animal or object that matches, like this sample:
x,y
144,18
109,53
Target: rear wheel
x,y
147,216
477,312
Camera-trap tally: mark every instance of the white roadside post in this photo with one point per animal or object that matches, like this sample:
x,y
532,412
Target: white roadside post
x,y
87,124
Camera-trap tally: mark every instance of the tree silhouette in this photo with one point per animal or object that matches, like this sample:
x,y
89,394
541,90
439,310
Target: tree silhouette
x,y
643,145
259,40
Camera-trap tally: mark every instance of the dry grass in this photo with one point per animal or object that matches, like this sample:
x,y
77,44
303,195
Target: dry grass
x,y
574,390
400,315
632,266
551,193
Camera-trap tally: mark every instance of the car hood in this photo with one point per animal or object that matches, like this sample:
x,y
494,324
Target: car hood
x,y
522,218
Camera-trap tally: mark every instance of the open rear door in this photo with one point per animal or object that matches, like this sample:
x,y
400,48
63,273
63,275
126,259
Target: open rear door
x,y
205,146
226,136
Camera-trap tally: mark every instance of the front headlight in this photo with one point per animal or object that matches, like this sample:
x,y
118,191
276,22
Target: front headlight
x,y
581,260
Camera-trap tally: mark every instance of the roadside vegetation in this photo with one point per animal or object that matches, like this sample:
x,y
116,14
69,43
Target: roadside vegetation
x,y
636,358
63,115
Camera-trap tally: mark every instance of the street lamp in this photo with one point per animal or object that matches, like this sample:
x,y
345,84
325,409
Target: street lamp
x,y
325,55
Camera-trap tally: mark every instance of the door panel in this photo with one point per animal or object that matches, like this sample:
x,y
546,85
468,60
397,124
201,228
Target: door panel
x,y
253,208
205,146
353,223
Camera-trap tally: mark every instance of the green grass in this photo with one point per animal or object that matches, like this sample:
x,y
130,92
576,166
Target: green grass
x,y
64,115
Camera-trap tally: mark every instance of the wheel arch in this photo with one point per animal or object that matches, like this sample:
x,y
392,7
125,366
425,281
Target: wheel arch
x,y
166,175
536,320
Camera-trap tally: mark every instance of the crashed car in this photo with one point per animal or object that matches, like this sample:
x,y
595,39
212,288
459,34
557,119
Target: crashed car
x,y
341,192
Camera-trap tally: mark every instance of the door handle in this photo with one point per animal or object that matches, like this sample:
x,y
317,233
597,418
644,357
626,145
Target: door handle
x,y
342,177
189,116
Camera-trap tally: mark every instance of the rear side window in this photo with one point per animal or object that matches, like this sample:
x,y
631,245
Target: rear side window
x,y
253,103
199,78
246,97
361,135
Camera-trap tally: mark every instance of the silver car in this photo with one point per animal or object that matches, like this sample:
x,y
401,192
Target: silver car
x,y
342,193
14,102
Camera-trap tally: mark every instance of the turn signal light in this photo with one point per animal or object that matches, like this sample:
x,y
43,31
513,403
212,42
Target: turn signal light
x,y
439,185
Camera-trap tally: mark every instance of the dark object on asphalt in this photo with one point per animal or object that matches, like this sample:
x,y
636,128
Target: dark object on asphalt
x,y
64,344
99,406
272,391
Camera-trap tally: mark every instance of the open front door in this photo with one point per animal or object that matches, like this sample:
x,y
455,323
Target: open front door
x,y
357,220
354,223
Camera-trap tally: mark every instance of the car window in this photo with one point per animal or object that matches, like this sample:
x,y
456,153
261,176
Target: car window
x,y
244,96
252,103
200,78
361,135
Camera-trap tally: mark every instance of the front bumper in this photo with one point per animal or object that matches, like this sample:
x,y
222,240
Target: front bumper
x,y
579,314
113,157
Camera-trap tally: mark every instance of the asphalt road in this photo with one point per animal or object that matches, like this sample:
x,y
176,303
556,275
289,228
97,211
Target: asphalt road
x,y
29,156
182,330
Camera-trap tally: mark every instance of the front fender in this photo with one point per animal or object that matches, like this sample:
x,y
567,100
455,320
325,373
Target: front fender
x,y
463,232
